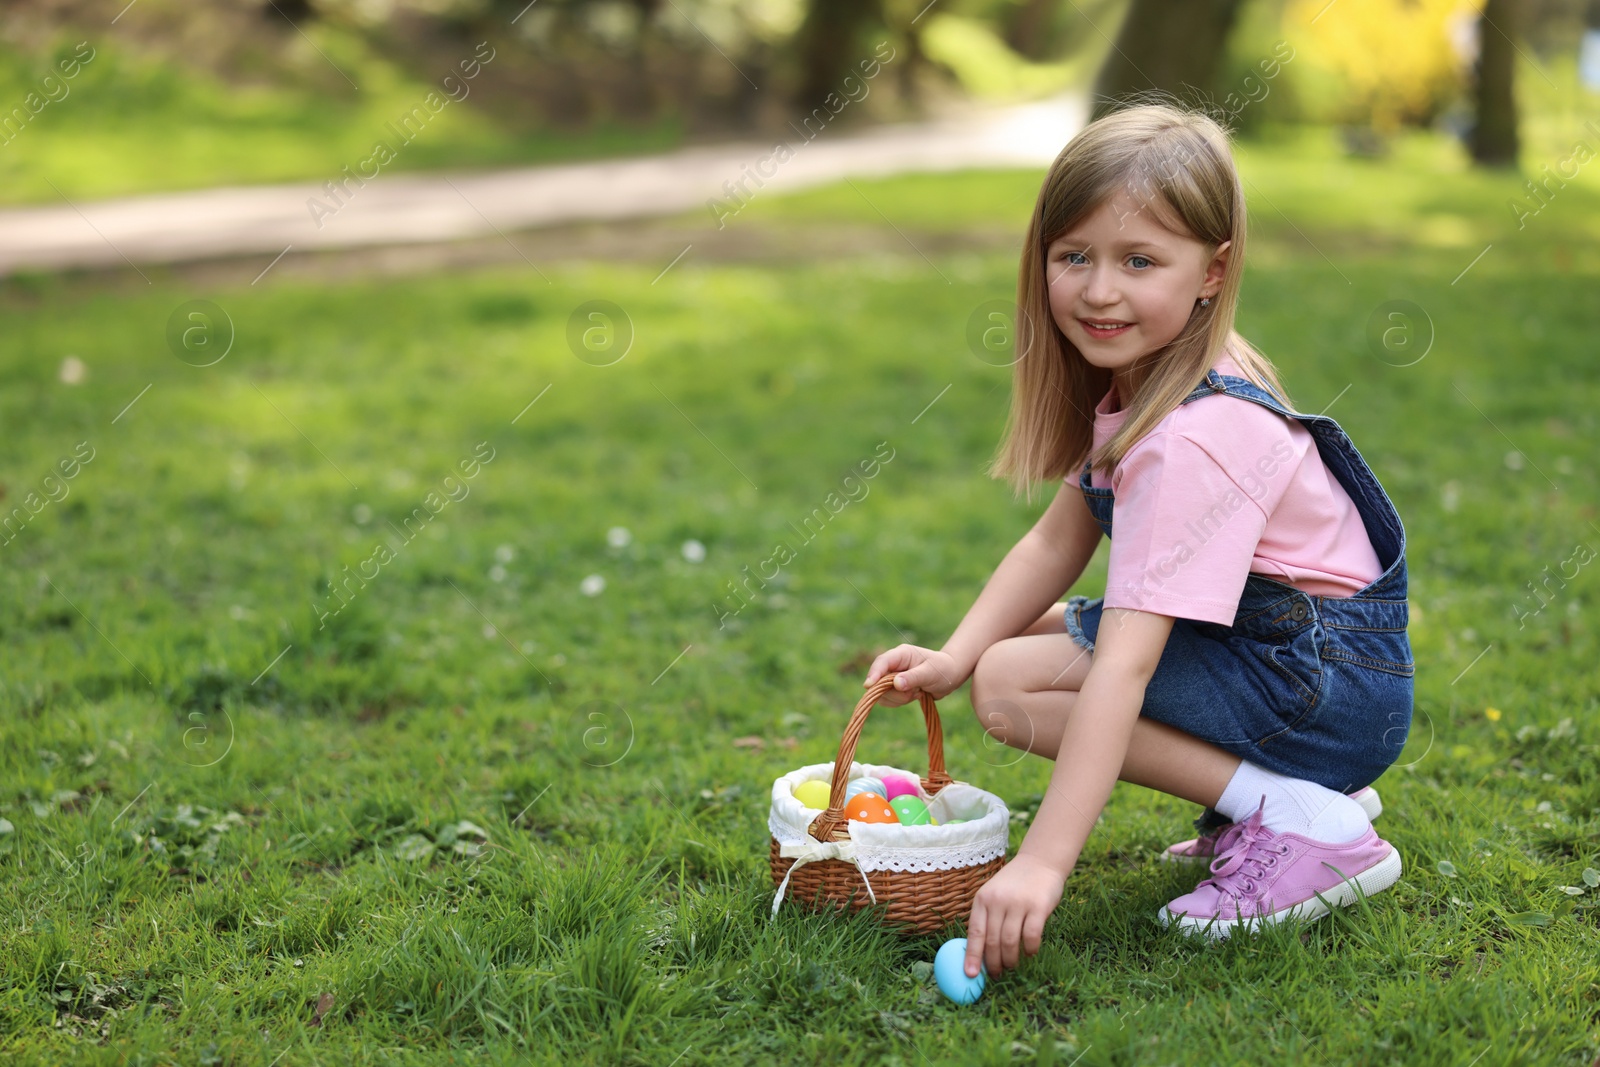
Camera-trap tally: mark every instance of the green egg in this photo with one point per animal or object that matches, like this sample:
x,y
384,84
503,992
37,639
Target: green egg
x,y
912,811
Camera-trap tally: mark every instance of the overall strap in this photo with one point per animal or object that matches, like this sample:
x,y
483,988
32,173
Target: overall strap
x,y
1233,384
1352,471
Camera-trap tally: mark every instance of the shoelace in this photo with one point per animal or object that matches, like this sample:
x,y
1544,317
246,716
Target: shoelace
x,y
1245,852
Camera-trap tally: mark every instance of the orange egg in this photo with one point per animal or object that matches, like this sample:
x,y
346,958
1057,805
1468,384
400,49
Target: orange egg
x,y
869,807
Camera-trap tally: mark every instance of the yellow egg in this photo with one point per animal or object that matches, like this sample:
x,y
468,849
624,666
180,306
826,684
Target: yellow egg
x,y
813,794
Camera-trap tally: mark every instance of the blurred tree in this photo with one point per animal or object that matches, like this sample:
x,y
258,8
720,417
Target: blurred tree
x,y
1494,135
1589,48
1549,26
1028,30
293,10
1374,67
830,44
905,24
1165,44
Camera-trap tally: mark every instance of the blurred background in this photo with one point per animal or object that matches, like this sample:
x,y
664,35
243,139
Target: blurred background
x,y
195,95
435,505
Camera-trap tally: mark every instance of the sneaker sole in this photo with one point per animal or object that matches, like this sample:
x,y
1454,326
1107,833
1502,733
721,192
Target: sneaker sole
x,y
1370,802
1368,798
1375,879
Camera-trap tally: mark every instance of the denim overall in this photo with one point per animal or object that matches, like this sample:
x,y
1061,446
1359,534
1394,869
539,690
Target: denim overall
x,y
1316,687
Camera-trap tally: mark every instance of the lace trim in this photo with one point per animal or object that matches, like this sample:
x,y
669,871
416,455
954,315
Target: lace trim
x,y
922,859
874,847
784,832
875,857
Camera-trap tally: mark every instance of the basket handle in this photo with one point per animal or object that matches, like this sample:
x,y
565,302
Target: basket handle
x,y
831,822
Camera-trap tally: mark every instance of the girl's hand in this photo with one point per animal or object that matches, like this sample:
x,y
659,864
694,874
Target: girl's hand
x,y
1008,914
916,670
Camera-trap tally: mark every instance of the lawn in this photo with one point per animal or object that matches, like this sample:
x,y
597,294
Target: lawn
x,y
496,799
127,123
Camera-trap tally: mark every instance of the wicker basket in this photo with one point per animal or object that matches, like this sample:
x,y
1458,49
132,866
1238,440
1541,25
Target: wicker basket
x,y
925,876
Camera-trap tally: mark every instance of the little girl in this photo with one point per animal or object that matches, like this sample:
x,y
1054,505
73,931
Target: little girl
x,y
1250,652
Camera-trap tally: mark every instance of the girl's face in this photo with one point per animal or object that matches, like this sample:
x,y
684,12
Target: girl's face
x,y
1120,266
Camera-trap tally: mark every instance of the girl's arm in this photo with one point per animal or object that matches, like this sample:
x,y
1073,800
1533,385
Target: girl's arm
x,y
1034,574
1009,912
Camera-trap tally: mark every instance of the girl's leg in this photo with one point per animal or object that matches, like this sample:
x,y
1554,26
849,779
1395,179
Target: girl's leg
x,y
1024,688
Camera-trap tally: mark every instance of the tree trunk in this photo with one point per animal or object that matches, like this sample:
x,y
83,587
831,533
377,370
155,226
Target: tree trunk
x,y
1172,45
830,45
911,70
1027,33
1494,135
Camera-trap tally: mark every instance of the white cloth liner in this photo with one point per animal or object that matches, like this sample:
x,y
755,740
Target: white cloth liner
x,y
890,846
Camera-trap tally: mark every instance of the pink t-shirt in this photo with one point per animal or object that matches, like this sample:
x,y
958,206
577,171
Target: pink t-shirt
x,y
1220,488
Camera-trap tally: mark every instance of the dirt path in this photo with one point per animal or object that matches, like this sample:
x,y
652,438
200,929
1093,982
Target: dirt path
x,y
419,209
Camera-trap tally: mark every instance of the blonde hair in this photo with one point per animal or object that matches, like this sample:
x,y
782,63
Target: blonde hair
x,y
1178,164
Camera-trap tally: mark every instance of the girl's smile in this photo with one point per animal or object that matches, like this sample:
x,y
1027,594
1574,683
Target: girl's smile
x,y
1105,331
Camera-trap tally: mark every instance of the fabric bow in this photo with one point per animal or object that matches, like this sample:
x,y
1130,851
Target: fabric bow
x,y
810,851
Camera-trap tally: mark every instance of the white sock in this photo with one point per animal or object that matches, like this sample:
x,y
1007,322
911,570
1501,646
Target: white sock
x,y
1293,805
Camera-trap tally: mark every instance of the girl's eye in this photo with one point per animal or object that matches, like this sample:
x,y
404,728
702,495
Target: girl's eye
x,y
1146,260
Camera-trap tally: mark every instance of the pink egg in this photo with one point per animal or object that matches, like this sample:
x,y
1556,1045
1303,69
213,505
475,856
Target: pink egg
x,y
896,785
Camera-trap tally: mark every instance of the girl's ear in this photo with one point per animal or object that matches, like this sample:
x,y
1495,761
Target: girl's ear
x,y
1218,266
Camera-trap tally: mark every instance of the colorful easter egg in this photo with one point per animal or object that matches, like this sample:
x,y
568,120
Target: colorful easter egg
x,y
863,785
813,794
911,810
870,807
897,785
949,970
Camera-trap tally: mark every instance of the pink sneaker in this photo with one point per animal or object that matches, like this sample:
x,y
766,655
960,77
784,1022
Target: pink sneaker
x,y
1260,876
1205,846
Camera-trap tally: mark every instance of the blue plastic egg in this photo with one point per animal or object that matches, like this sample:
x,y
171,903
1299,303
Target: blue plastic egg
x,y
952,976
863,785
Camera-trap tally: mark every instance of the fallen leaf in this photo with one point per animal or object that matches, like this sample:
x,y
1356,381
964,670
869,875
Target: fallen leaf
x,y
1529,918
413,847
860,663
750,742
324,1005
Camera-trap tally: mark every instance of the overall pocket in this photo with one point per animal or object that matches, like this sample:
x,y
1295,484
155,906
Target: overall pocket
x,y
1296,660
1381,648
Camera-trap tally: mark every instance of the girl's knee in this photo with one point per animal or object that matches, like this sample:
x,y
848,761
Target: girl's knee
x,y
994,687
989,675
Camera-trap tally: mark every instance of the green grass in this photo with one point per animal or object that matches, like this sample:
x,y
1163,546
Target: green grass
x,y
129,124
212,861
